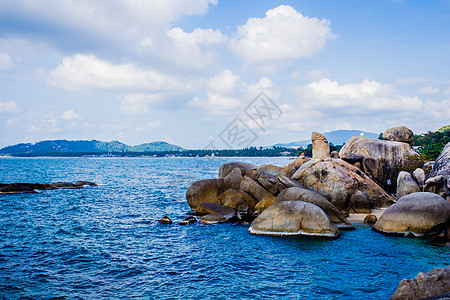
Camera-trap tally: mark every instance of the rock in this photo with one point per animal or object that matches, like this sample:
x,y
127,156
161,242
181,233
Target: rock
x,y
299,194
337,180
213,208
406,184
239,206
84,183
206,190
294,218
334,154
65,185
212,219
259,193
442,165
352,158
289,182
236,194
15,188
165,220
225,169
269,182
298,162
436,282
359,203
188,220
416,214
370,219
437,185
380,157
399,134
420,177
320,147
275,170
234,178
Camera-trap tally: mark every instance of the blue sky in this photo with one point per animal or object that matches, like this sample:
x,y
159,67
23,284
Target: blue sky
x,y
187,71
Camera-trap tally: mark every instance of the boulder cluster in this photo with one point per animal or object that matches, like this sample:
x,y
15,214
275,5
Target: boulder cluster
x,y
313,196
18,188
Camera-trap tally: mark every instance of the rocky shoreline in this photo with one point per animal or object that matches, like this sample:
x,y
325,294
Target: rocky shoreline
x,y
23,187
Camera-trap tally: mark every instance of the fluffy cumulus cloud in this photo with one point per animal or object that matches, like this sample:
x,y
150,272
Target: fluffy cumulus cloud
x,y
283,34
87,72
70,115
9,107
196,49
134,104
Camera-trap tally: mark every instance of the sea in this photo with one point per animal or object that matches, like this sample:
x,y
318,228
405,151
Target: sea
x,y
104,242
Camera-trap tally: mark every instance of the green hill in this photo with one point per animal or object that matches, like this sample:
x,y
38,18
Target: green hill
x,y
431,143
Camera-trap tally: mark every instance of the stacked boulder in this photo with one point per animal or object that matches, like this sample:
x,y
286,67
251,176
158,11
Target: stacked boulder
x,y
377,158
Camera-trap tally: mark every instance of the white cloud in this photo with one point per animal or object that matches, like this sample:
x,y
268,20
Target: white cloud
x,y
10,107
134,104
70,115
149,126
365,97
87,72
447,91
429,90
226,82
283,34
5,61
413,80
195,49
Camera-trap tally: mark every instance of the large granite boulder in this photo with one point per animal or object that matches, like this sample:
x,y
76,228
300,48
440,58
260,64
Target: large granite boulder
x,y
415,214
262,196
359,203
434,283
406,184
225,169
299,194
380,157
320,146
294,218
236,194
213,208
337,180
442,164
206,190
399,134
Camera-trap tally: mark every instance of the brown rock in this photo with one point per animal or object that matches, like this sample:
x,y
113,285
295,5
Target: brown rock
x,y
320,147
416,214
213,208
399,134
259,193
370,219
234,178
165,220
233,193
212,219
433,283
206,190
299,194
420,177
359,203
437,185
289,182
275,170
189,220
225,169
298,162
334,154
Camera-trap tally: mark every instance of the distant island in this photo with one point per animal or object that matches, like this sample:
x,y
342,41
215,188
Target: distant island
x,y
429,145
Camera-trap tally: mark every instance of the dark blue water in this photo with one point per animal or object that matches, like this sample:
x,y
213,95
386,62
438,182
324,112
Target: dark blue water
x,y
102,242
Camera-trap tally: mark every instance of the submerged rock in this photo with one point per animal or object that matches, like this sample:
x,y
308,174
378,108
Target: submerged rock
x,y
188,220
416,214
84,183
294,218
15,188
65,185
434,283
212,219
165,220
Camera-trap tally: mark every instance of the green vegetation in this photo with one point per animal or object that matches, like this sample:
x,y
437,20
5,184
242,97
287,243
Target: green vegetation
x,y
431,143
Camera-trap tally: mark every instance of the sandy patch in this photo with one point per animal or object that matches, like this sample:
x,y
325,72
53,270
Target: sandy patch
x,y
359,218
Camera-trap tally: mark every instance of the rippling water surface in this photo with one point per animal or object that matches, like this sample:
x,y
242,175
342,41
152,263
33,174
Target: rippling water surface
x,y
103,242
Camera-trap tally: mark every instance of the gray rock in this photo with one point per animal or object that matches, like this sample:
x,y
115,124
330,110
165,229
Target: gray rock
x,y
406,184
442,164
434,283
213,208
359,203
420,177
416,214
437,185
188,220
15,188
399,134
212,219
294,218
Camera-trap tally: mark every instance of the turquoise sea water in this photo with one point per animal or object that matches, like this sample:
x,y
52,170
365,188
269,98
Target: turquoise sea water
x,y
103,242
